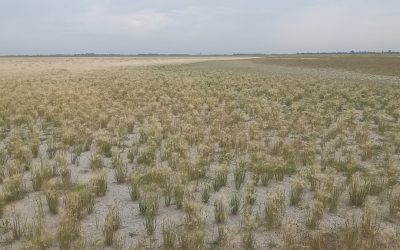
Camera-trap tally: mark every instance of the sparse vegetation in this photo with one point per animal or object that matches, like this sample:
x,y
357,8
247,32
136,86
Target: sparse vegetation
x,y
205,195
358,190
179,193
217,155
134,190
240,174
148,207
314,214
169,235
296,192
14,188
250,194
274,209
220,178
234,203
68,231
52,199
111,224
120,172
96,162
219,210
40,175
248,227
99,183
394,203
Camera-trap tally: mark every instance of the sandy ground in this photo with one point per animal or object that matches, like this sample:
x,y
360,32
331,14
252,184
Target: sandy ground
x,y
16,66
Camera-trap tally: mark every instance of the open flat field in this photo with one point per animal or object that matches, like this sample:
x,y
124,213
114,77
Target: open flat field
x,y
373,64
17,66
299,152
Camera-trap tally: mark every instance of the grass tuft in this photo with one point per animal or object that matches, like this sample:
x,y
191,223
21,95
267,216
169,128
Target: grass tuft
x,y
358,190
68,231
99,183
297,191
169,235
234,203
14,188
220,178
239,174
111,224
219,210
274,210
205,194
250,194
52,199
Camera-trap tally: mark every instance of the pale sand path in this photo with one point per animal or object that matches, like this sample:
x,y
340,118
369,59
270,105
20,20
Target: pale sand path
x,y
17,66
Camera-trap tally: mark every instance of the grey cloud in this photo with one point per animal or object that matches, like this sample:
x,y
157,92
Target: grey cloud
x,y
177,26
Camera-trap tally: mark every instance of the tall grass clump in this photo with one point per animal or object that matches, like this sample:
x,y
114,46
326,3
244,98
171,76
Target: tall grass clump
x,y
364,232
111,224
134,189
36,235
358,190
148,207
168,192
329,192
314,214
40,175
148,203
221,239
274,210
248,227
205,194
169,235
24,156
312,176
219,210
132,154
250,194
15,224
394,202
105,146
147,156
68,232
79,201
192,235
96,161
52,198
121,172
52,148
234,203
99,183
296,191
76,154
239,174
220,178
13,188
179,191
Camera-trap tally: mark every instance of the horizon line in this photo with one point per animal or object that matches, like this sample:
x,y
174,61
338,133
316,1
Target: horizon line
x,y
193,55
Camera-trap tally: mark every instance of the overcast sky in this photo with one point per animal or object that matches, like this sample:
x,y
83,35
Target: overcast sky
x,y
206,26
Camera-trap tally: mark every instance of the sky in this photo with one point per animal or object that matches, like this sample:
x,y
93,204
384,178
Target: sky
x,y
33,27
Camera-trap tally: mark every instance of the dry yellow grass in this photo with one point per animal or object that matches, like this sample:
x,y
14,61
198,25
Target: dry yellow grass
x,y
196,154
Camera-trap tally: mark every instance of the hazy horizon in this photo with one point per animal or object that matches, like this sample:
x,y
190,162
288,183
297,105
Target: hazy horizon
x,y
30,27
